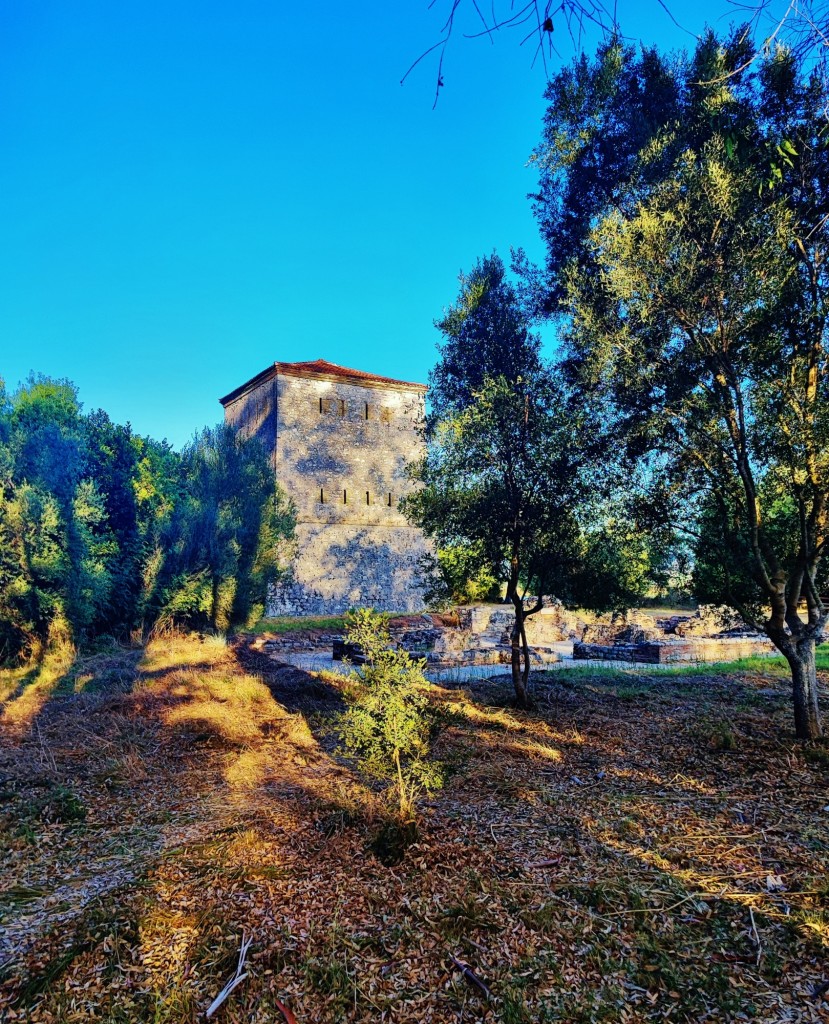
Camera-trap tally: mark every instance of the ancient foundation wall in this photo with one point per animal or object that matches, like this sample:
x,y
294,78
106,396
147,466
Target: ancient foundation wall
x,y
667,652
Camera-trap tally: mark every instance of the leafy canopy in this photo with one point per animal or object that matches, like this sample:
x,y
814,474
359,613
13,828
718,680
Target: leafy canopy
x,y
688,265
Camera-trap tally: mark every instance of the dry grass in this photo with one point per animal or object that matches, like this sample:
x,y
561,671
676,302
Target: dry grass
x,y
605,858
25,691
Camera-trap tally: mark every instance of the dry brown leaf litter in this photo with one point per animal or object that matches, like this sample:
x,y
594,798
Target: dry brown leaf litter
x,y
637,851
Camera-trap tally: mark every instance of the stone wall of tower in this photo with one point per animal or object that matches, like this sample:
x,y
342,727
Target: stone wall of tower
x,y
340,451
254,414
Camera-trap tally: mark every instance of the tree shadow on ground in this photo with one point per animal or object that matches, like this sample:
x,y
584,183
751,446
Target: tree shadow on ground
x,y
300,692
584,857
30,692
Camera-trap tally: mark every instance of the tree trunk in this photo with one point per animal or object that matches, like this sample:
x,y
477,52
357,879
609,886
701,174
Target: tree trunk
x,y
525,651
214,600
519,681
800,655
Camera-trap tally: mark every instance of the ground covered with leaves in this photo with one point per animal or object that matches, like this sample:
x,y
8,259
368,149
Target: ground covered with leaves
x,y
638,848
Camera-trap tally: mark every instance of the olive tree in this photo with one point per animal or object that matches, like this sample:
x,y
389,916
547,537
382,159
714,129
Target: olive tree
x,y
693,281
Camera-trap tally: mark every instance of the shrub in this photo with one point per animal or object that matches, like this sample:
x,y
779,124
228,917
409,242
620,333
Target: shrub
x,y
388,722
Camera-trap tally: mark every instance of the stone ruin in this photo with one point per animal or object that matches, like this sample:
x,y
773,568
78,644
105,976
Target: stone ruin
x,y
480,635
707,635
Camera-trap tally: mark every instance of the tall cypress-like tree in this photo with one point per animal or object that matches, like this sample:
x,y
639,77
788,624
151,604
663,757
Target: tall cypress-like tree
x,y
500,475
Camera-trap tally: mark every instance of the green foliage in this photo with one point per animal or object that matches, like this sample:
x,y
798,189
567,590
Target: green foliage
x,y
60,804
227,539
282,624
388,724
503,477
486,335
497,464
458,574
615,568
499,481
687,254
103,532
53,555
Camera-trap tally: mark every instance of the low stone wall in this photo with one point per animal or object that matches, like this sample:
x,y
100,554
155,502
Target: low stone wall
x,y
482,637
667,652
295,643
494,623
500,655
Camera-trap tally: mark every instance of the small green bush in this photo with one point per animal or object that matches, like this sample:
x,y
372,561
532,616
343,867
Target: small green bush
x,y
388,723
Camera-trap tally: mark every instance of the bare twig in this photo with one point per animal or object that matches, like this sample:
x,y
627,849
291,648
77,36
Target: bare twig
x,y
471,976
802,28
756,935
236,980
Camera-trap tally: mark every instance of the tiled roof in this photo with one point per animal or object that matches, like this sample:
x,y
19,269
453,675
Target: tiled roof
x,y
321,368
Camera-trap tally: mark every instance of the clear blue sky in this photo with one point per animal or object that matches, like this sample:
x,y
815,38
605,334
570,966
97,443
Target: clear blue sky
x,y
189,191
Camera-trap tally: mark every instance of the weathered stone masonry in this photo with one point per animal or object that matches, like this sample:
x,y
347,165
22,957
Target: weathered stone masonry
x,y
340,440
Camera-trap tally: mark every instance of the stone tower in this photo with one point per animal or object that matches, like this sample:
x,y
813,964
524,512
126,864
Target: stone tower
x,y
340,440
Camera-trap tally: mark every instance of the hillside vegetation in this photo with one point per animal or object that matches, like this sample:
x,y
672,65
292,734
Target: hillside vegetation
x,y
103,532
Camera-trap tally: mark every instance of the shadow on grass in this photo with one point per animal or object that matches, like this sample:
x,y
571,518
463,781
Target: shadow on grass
x,y
300,692
28,693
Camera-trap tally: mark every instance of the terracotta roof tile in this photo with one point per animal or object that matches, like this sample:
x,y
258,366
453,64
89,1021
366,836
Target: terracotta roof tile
x,y
316,366
320,368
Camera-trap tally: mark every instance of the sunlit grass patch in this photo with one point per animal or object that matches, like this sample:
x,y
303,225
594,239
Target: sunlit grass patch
x,y
167,941
215,719
248,770
282,624
337,679
536,748
492,718
230,707
201,688
14,679
513,745
182,651
817,923
25,691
